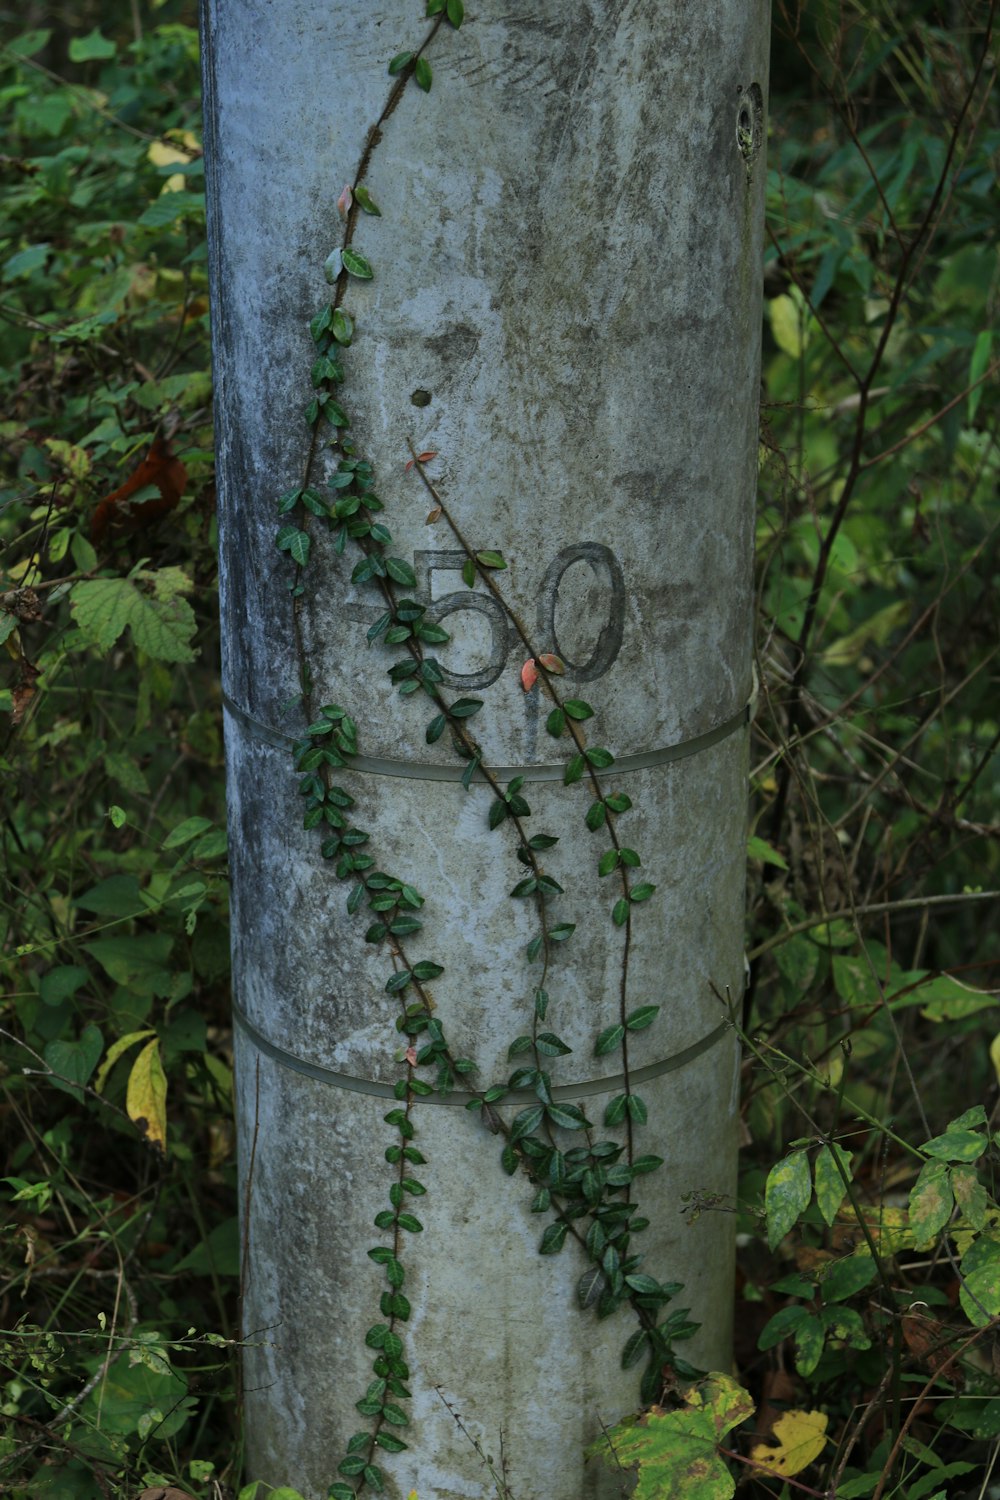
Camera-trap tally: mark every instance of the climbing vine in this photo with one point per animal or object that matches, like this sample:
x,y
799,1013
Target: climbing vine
x,y
587,1190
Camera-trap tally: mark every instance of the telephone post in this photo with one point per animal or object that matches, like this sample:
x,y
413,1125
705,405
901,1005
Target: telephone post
x,y
486,311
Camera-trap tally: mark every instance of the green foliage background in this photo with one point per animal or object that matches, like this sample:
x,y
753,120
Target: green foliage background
x,y
871,1254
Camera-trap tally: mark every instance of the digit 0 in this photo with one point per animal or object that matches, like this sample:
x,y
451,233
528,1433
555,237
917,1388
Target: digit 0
x,y
608,570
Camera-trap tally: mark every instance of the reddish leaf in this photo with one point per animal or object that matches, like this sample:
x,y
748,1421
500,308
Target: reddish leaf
x,y
552,663
160,469
411,1056
529,674
433,515
344,201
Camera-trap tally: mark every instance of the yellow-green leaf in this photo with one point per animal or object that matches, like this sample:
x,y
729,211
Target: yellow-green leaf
x,y
970,1195
931,1201
114,1053
677,1451
830,1185
786,1195
146,1096
800,1437
788,325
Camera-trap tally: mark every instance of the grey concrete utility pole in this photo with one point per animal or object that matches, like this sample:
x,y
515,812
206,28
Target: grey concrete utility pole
x,y
560,301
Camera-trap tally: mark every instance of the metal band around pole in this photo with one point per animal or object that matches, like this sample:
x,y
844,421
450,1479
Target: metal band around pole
x,y
567,1091
427,771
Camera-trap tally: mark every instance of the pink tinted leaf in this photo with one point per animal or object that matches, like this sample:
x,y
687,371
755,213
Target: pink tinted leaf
x,y
529,674
552,663
411,1056
344,201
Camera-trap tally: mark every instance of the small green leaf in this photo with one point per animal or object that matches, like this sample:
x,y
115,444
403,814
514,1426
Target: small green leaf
x,y
578,709
356,265
556,723
553,1239
401,572
641,892
491,559
422,73
399,62
609,1039
614,1114
598,758
573,771
619,912
341,326
643,1017
365,201
618,802
435,729
456,12
569,1116
607,862
596,816
426,970
549,1045
468,573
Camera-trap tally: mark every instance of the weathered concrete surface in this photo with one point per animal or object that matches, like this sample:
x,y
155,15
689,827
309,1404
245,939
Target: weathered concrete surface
x,y
568,261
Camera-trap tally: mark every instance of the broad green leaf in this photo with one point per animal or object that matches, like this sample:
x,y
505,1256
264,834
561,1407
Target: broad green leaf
x,y
148,603
189,829
58,984
29,42
956,1145
75,1061
146,1095
810,1337
844,1278
171,207
979,1289
91,47
137,962
118,896
786,1195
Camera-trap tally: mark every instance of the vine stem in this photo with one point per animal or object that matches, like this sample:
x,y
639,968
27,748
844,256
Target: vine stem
x,y
546,678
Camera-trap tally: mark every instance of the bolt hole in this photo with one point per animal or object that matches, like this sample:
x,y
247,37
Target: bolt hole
x,y
750,123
